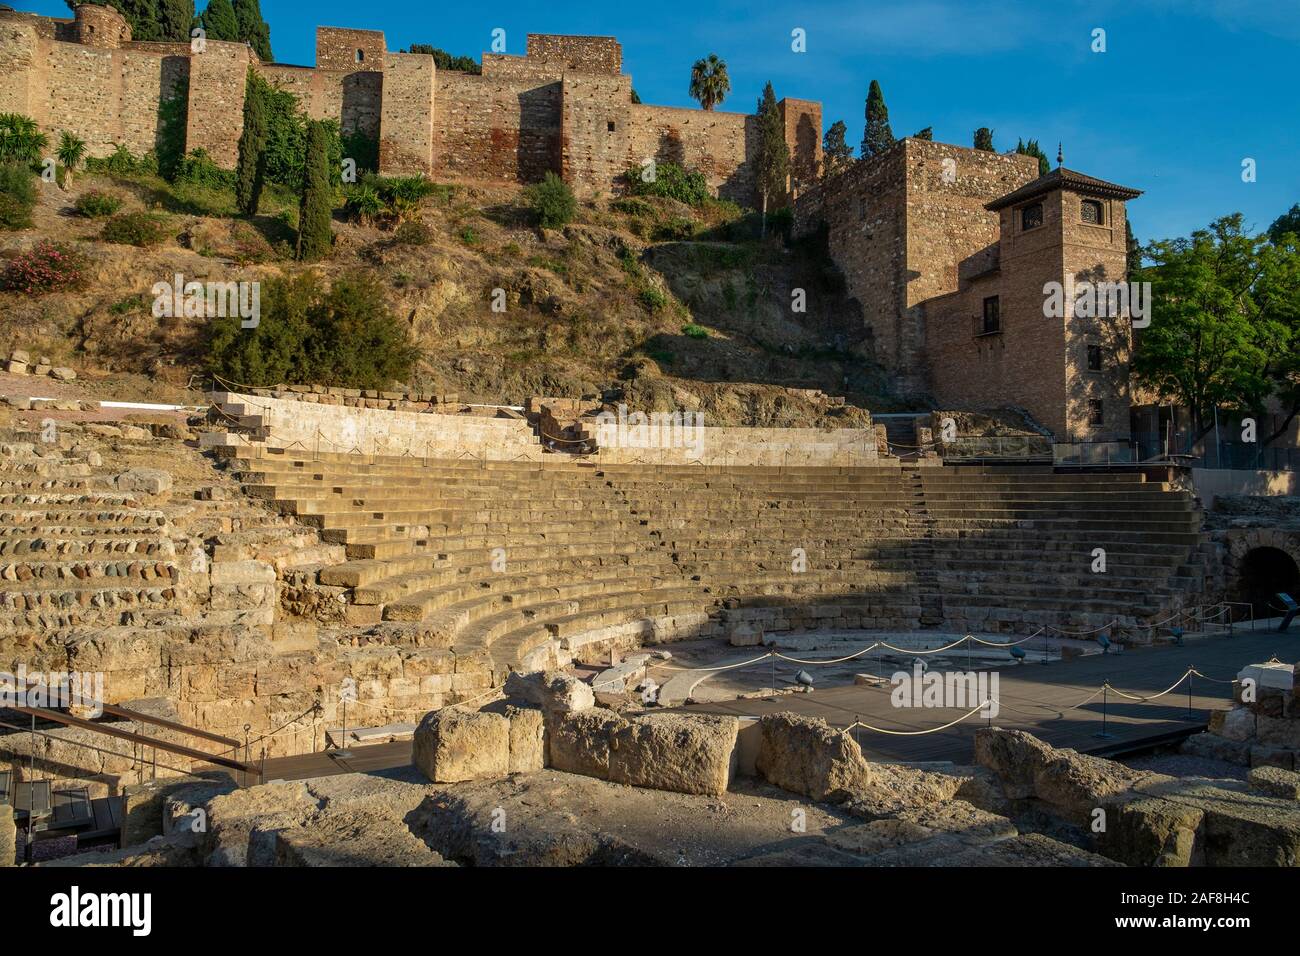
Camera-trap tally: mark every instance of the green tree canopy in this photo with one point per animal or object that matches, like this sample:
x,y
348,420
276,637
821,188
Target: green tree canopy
x,y
837,154
984,139
1225,323
250,173
878,137
1030,148
926,134
710,83
1288,222
253,30
445,61
773,152
315,237
219,21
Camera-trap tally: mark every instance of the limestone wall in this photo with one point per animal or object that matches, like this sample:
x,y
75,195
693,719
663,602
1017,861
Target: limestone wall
x,y
340,429
844,447
497,127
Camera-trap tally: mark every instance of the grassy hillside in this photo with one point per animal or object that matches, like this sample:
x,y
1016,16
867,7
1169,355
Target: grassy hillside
x,y
645,300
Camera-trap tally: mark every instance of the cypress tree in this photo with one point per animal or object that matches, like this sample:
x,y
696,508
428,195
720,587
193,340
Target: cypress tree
x,y
878,137
250,174
773,152
984,139
1032,148
219,21
316,209
176,17
254,30
837,155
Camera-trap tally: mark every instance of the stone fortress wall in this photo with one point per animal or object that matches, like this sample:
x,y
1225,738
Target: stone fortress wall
x,y
564,107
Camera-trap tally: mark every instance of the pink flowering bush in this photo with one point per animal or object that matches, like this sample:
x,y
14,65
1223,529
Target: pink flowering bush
x,y
49,267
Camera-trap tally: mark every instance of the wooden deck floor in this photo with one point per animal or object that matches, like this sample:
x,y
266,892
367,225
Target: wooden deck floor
x,y
1034,697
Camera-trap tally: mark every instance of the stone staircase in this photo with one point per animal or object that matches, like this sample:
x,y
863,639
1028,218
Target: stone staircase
x,y
533,564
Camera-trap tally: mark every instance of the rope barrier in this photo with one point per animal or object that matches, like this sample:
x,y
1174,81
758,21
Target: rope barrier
x,y
1188,673
916,733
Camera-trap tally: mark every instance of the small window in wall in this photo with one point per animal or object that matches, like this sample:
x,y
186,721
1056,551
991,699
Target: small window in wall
x,y
1090,210
1031,216
992,316
862,207
1094,358
1096,412
360,56
610,125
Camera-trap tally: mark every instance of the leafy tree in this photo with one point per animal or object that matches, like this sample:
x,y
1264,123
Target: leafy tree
x,y
316,209
17,195
250,173
344,336
672,182
445,61
926,134
1288,222
878,136
837,155
551,201
219,21
253,30
1134,255
1030,148
71,151
1225,330
710,83
773,153
636,97
984,139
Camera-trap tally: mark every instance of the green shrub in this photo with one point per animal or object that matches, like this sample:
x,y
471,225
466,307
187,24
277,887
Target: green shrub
x,y
387,200
344,335
48,267
675,230
470,236
693,331
652,299
633,206
96,203
197,168
672,182
552,202
21,140
122,162
413,233
17,196
136,229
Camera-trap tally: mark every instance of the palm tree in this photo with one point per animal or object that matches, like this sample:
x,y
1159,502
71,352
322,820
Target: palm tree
x,y
709,81
71,151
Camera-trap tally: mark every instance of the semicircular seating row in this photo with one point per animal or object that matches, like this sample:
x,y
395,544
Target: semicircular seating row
x,y
536,564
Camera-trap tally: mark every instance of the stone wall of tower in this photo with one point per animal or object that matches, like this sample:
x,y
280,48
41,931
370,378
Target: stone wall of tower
x,y
406,129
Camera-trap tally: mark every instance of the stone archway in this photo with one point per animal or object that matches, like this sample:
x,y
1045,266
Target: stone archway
x,y
1257,564
1262,573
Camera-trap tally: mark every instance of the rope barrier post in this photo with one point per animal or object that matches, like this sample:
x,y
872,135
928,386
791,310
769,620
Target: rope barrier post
x,y
1190,671
772,657
1104,695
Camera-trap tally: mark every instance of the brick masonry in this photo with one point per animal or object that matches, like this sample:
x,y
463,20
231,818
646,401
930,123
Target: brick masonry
x,y
565,107
921,253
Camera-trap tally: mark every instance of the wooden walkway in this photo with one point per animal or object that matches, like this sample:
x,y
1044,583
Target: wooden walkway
x,y
1037,698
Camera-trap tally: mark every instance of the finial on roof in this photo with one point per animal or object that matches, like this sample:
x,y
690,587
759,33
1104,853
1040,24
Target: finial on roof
x,y
1060,155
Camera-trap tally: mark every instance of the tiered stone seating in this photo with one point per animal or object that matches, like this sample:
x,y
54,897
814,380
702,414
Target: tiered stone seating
x,y
495,555
795,540
1015,545
73,552
588,550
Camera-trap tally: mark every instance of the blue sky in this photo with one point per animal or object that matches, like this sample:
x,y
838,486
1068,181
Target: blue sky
x,y
1184,92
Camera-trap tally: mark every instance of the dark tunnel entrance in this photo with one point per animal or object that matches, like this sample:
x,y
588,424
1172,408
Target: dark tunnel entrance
x,y
1265,572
